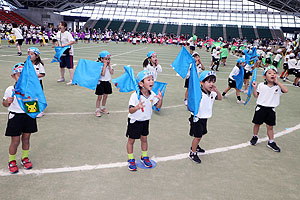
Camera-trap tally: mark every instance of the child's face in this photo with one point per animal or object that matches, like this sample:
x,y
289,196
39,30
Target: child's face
x,y
208,85
197,58
106,60
270,76
32,55
16,76
147,83
154,60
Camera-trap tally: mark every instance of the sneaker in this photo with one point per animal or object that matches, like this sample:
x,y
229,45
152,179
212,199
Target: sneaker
x,y
69,83
225,96
104,111
273,146
253,140
98,113
61,80
281,77
13,167
199,150
185,102
146,161
19,53
240,101
131,165
284,79
194,157
26,163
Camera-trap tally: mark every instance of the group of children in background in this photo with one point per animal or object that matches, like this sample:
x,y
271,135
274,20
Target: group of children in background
x,y
20,126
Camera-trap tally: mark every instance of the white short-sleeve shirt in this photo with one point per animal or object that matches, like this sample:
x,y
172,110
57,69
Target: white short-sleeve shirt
x,y
107,75
139,115
14,106
18,33
39,69
268,96
206,105
235,71
64,38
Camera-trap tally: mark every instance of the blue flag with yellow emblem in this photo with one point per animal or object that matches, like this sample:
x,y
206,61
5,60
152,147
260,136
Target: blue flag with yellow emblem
x,y
29,92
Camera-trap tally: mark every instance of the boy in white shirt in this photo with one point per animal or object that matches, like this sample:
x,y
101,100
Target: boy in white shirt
x,y
140,111
198,123
268,97
277,58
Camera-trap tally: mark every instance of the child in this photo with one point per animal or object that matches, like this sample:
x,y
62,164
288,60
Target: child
x,y
285,64
268,56
198,123
277,58
151,64
292,63
200,68
297,75
140,112
104,85
19,125
268,97
215,58
38,65
232,82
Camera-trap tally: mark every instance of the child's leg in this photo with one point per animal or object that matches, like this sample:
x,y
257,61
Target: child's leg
x,y
256,129
226,90
270,133
14,143
195,143
104,100
71,71
25,144
98,101
246,83
129,147
144,144
62,72
186,93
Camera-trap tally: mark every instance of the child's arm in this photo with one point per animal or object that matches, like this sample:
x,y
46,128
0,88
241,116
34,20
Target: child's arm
x,y
40,75
133,109
219,96
202,66
282,87
255,93
8,101
103,69
111,70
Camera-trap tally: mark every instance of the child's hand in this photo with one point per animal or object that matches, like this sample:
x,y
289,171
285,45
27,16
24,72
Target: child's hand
x,y
214,88
159,95
140,105
9,100
276,79
254,84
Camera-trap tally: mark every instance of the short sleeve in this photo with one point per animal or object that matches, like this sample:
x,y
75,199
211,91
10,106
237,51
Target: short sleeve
x,y
133,101
41,69
8,93
70,37
258,88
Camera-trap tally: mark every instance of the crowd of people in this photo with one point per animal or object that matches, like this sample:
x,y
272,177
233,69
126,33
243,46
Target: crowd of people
x,y
269,54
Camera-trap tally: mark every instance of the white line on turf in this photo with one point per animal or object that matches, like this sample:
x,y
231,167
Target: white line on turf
x,y
156,159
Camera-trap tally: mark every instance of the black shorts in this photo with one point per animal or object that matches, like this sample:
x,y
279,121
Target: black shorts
x,y
231,83
264,115
285,66
192,48
20,42
275,63
54,40
224,57
66,61
297,73
186,83
291,71
268,60
247,74
103,88
199,128
19,123
137,129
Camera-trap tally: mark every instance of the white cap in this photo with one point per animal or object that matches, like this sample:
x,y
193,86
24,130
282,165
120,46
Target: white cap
x,y
279,50
289,50
269,48
292,55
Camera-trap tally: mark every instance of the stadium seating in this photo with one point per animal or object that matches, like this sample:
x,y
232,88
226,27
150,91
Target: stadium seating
x,y
12,17
171,28
115,25
232,31
202,31
248,32
157,28
129,25
216,31
264,32
143,26
186,29
101,24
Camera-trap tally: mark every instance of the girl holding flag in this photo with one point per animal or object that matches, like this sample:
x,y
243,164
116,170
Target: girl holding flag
x,y
235,79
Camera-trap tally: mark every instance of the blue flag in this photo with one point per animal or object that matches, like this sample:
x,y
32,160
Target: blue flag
x,y
239,79
182,62
87,73
159,86
250,90
59,51
251,57
29,92
127,81
194,92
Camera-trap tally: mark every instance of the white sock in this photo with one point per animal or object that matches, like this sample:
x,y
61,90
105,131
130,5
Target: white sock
x,y
271,141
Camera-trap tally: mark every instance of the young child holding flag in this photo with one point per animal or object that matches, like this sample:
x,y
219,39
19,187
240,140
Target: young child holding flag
x,y
198,123
104,86
268,97
19,125
151,64
140,111
38,65
235,76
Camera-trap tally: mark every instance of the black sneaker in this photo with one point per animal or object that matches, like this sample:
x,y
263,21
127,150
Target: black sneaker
x,y
199,150
194,157
253,140
273,146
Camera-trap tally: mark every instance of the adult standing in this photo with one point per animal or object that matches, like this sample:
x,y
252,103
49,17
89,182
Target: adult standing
x,y
65,38
19,37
